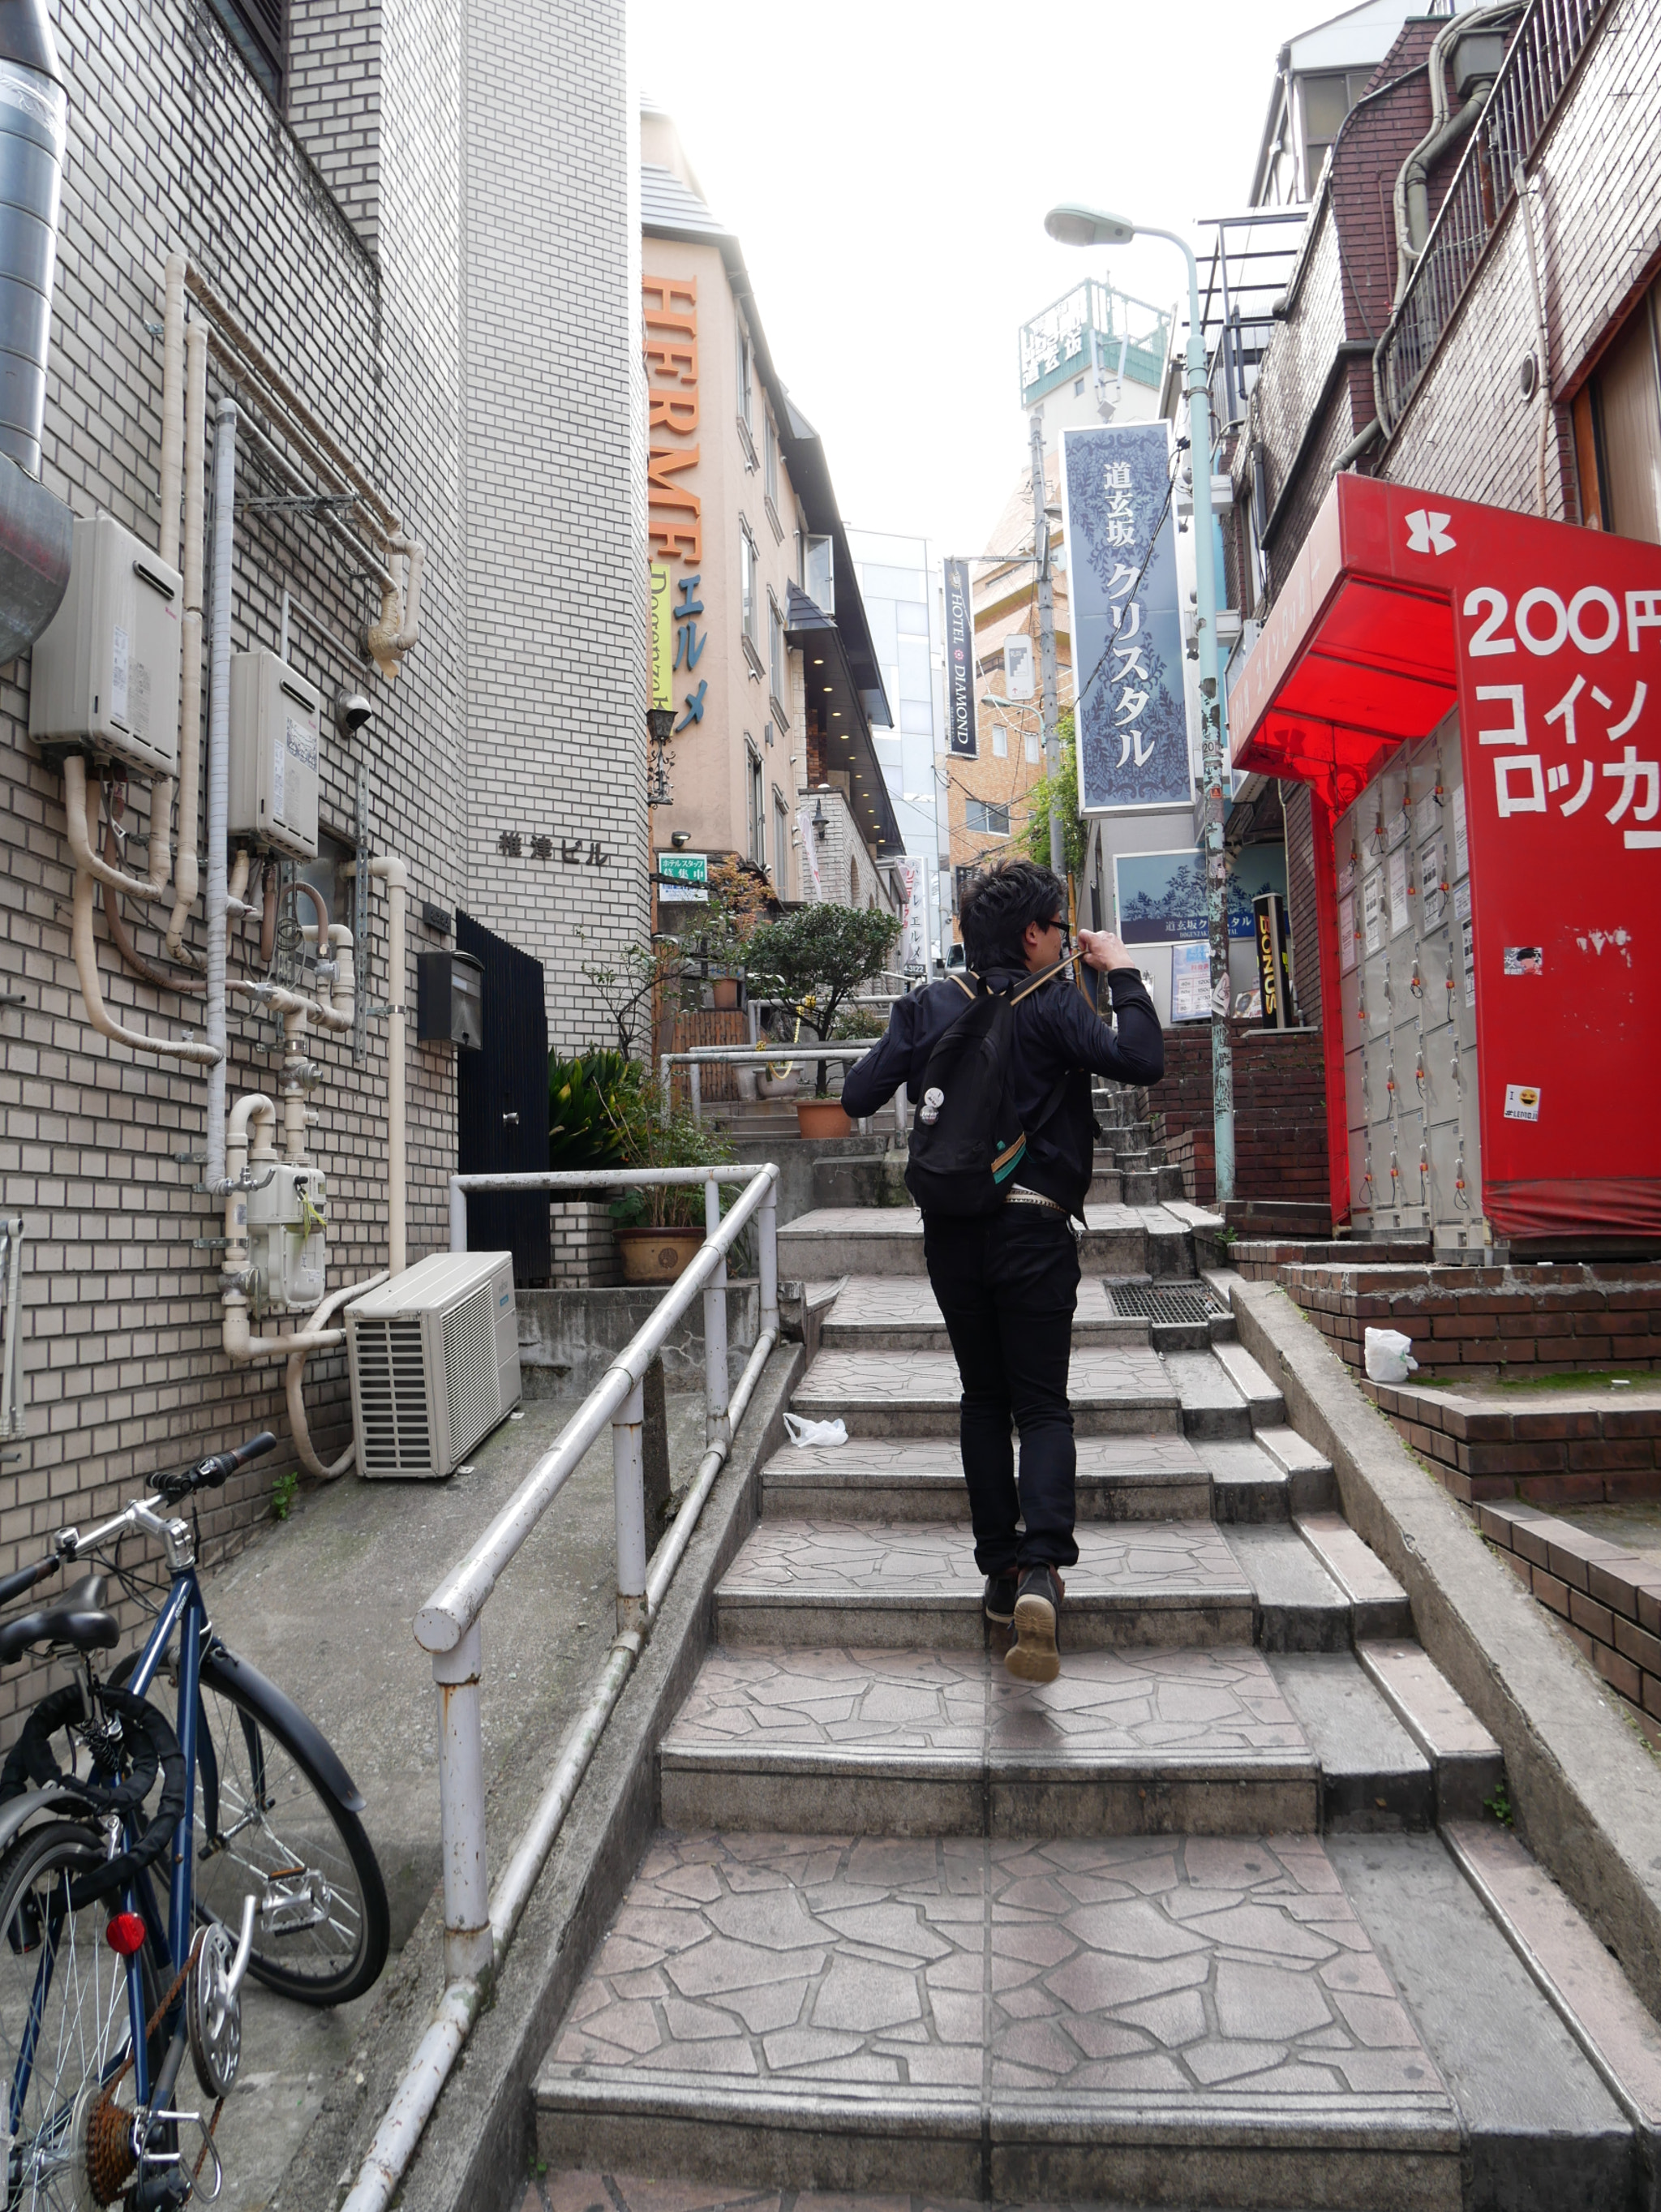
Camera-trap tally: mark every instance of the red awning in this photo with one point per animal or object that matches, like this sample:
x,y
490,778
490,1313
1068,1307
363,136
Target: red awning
x,y
1357,657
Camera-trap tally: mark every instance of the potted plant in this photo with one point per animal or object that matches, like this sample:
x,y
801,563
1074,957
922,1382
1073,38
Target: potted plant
x,y
660,1227
811,963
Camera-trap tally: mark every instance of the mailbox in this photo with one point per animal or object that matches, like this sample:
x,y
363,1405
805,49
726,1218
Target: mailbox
x,y
450,1000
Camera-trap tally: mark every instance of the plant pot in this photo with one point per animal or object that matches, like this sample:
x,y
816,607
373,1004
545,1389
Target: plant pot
x,y
822,1117
655,1255
725,990
778,1086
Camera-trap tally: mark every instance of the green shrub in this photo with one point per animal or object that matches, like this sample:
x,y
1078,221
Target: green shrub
x,y
591,1102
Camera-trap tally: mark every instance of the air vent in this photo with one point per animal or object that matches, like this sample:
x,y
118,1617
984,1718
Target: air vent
x,y
435,1357
1183,1303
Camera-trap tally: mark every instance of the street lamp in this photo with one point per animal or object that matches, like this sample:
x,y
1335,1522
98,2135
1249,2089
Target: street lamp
x,y
1072,225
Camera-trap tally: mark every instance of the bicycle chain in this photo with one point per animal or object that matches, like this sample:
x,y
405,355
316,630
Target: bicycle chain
x,y
111,2162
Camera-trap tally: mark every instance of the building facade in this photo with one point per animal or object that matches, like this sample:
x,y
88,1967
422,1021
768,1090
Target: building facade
x,y
347,230
898,584
775,682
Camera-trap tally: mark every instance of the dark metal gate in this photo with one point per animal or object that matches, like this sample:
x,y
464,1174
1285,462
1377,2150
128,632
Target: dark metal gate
x,y
502,1102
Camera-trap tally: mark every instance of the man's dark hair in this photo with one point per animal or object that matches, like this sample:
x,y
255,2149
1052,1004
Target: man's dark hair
x,y
997,906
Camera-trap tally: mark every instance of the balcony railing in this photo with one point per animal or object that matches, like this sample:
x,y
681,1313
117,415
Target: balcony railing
x,y
1550,39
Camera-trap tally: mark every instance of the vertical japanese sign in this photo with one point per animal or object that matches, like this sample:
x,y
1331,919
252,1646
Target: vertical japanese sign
x,y
913,920
675,512
959,661
1127,623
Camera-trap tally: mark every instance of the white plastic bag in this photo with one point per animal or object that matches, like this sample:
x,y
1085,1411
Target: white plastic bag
x,y
803,1433
1389,1356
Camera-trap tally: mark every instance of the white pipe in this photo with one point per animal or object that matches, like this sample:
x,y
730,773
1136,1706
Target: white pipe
x,y
82,826
1525,216
392,873
336,1003
219,749
391,637
187,874
293,1383
86,965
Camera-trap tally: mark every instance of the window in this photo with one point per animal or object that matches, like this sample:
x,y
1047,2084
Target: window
x,y
1078,388
819,576
1327,99
979,814
1034,749
781,844
256,30
746,388
776,654
772,477
1618,431
748,583
1000,741
853,883
756,823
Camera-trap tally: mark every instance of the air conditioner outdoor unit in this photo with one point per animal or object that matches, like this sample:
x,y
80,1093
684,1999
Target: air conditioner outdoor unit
x,y
434,1356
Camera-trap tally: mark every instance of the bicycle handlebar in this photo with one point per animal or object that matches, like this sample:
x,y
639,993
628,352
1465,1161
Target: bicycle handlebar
x,y
12,1586
209,1473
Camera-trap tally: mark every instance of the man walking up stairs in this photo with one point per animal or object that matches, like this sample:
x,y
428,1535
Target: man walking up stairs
x,y
1002,1255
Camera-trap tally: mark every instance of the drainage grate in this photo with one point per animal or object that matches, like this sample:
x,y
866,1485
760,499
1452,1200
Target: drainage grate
x,y
1165,1302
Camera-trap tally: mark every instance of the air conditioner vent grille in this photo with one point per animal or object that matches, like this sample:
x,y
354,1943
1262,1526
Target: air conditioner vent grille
x,y
470,1369
396,1436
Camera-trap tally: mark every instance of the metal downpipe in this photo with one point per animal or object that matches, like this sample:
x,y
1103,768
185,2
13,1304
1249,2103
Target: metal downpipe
x,y
219,749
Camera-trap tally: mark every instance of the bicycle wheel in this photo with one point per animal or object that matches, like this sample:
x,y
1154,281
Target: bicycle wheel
x,y
64,2030
322,1926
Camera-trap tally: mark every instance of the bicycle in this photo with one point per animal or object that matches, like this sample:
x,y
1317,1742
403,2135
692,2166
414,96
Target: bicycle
x,y
269,1872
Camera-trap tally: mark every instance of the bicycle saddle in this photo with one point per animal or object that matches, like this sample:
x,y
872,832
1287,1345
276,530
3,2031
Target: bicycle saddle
x,y
78,1620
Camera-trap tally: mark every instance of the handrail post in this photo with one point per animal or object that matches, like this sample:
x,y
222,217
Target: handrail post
x,y
458,1215
467,1940
767,1242
628,1488
900,1113
717,1429
695,1087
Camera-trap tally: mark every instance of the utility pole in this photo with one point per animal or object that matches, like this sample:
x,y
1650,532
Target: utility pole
x,y
1046,650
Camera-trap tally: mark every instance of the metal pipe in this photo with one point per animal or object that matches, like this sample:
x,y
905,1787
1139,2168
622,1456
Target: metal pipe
x,y
34,132
387,868
1525,216
767,1259
461,1810
219,755
628,1502
461,1597
187,872
717,1429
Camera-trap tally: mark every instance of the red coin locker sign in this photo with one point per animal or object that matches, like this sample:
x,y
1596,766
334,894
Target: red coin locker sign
x,y
1403,604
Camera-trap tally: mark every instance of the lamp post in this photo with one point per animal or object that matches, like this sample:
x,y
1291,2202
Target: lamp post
x,y
1082,225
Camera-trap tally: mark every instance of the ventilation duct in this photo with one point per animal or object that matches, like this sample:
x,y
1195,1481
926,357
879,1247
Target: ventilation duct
x,y
35,528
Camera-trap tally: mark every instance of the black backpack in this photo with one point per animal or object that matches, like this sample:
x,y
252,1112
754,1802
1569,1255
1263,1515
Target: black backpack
x,y
967,1141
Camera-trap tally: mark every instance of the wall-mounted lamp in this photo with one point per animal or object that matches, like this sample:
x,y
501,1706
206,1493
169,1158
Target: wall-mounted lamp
x,y
660,724
820,823
680,839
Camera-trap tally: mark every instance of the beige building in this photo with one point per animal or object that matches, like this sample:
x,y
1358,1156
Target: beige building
x,y
775,680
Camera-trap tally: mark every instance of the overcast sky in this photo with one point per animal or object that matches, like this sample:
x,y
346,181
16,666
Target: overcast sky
x,y
887,165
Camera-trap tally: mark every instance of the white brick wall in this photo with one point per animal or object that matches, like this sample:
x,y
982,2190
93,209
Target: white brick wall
x,y
484,395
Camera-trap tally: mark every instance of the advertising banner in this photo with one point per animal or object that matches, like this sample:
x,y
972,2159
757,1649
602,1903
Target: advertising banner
x,y
1018,682
685,877
1126,620
661,634
913,919
959,662
1160,897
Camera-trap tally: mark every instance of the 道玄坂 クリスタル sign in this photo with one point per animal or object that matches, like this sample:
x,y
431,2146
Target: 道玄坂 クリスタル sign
x,y
1127,625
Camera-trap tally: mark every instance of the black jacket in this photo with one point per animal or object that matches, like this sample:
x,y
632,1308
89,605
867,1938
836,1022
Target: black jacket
x,y
1057,1034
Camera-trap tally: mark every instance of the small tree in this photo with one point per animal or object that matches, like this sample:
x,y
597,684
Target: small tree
x,y
1075,831
815,959
740,900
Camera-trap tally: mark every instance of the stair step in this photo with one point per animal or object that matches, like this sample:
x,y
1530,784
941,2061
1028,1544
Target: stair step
x,y
1264,1397
1467,1763
1247,1485
896,1313
1212,1407
1298,1606
914,1584
1378,1603
867,1240
1313,1484
1113,1390
1145,1478
1372,1773
1541,2128
1133,2020
910,1742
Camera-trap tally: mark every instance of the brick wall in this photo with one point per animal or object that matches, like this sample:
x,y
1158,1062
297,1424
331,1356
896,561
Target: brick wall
x,y
1607,1600
173,141
583,1251
1280,1111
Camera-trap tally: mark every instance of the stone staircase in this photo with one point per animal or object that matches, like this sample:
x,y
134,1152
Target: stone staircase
x,y
1215,1918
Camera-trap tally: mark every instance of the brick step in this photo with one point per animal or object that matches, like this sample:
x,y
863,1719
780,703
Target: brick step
x,y
1562,1446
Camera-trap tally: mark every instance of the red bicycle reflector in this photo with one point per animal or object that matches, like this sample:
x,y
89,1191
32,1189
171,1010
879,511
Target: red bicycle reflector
x,y
126,1934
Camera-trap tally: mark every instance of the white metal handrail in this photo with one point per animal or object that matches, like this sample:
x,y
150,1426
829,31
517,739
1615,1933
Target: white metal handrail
x,y
478,1925
743,1055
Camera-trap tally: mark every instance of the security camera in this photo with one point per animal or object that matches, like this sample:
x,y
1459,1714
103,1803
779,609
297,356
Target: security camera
x,y
352,711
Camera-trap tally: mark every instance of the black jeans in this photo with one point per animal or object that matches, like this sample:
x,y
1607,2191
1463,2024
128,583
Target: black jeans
x,y
1007,1285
